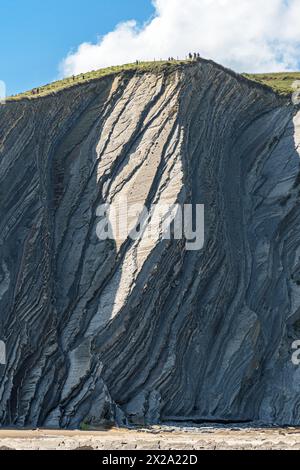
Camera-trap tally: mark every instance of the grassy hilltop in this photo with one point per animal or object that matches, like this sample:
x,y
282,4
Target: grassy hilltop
x,y
94,75
279,82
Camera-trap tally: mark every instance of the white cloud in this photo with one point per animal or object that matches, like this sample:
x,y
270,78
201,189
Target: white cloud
x,y
246,35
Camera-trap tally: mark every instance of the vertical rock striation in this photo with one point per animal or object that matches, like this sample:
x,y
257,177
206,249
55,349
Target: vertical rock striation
x,y
147,331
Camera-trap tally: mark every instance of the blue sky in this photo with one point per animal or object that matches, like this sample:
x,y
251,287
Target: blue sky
x,y
42,40
36,35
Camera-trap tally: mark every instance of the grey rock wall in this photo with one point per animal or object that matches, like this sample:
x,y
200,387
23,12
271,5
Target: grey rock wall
x,y
137,331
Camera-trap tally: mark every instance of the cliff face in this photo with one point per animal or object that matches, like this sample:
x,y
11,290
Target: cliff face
x,y
142,332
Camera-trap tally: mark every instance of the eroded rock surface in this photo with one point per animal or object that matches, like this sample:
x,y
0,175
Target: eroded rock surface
x,y
138,331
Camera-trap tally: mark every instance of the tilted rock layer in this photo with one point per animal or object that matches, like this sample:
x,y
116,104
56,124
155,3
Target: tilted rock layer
x,y
146,331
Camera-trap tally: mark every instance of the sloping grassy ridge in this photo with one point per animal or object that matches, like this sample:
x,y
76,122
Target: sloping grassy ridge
x,y
281,83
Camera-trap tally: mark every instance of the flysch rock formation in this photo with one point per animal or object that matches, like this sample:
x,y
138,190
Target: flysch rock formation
x,y
146,331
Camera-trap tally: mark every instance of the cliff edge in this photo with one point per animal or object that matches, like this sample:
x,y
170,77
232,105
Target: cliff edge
x,y
148,332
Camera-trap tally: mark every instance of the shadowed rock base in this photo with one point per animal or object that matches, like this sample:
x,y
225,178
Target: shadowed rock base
x,y
133,332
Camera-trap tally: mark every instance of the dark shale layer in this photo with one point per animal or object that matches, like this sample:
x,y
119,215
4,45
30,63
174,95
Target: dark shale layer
x,y
148,332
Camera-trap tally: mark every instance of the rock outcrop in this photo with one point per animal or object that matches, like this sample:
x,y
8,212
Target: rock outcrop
x,y
148,332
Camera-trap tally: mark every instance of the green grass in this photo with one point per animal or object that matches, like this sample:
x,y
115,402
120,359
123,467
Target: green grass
x,y
280,82
94,75
84,426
